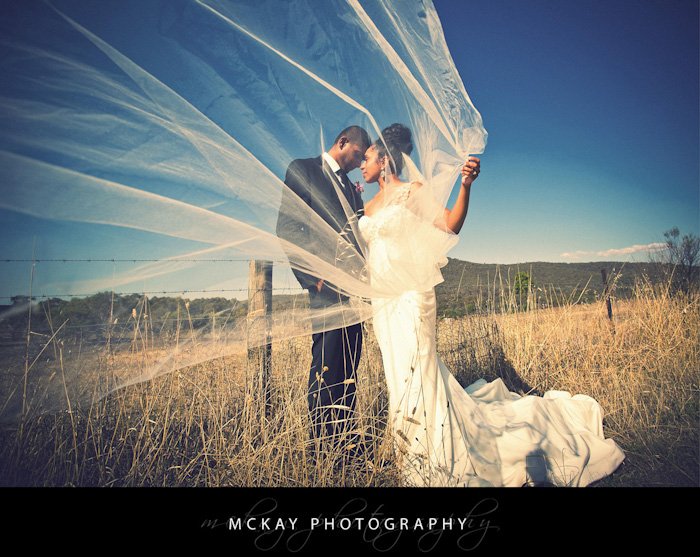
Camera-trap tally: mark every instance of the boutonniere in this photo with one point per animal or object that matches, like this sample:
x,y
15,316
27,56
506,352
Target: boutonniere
x,y
359,188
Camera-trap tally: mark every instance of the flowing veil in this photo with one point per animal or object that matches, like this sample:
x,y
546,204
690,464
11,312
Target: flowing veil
x,y
160,131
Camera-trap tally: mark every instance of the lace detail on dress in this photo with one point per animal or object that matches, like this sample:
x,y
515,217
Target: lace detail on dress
x,y
402,194
385,222
405,252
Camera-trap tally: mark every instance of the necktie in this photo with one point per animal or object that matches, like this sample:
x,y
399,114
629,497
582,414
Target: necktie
x,y
347,186
343,177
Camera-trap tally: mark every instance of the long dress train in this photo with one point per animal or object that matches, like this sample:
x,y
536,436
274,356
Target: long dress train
x,y
482,435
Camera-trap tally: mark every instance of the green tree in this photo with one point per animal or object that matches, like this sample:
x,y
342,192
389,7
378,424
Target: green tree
x,y
522,283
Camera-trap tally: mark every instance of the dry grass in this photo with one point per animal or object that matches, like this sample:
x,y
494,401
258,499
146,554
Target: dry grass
x,y
205,425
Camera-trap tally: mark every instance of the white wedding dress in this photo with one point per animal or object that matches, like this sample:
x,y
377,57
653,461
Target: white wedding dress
x,y
482,435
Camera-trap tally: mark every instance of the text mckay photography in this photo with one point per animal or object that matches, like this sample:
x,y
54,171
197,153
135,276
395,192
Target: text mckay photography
x,y
391,521
373,523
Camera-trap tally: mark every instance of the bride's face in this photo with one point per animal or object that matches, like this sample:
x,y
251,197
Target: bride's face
x,y
371,165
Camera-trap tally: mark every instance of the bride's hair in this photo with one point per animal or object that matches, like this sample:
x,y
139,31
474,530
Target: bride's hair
x,y
394,140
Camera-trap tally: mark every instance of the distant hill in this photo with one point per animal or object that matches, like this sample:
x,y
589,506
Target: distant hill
x,y
465,282
468,287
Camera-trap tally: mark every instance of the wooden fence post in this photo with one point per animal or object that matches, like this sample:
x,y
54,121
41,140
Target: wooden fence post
x,y
606,293
259,324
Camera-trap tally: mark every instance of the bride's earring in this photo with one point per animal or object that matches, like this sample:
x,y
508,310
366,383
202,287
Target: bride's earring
x,y
382,174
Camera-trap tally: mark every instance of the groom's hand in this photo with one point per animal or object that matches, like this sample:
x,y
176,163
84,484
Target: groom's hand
x,y
319,285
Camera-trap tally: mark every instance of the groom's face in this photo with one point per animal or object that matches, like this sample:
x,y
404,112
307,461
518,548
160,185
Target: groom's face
x,y
352,155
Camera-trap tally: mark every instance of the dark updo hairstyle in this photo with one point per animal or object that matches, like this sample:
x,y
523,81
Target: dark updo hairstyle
x,y
395,140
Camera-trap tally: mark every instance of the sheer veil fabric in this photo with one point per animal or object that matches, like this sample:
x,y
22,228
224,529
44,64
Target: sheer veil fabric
x,y
165,128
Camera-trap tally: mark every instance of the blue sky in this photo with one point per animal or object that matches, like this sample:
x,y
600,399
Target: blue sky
x,y
592,112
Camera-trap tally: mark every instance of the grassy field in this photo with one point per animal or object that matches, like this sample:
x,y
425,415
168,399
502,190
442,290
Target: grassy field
x,y
204,425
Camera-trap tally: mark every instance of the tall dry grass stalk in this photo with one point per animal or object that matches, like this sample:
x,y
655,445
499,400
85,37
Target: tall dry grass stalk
x,y
206,425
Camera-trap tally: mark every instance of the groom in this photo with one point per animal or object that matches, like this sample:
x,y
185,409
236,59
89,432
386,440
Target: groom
x,y
335,353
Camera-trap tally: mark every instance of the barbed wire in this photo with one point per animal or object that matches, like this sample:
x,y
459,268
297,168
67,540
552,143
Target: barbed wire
x,y
37,296
137,260
113,260
128,324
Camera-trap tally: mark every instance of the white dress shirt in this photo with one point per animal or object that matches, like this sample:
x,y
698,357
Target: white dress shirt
x,y
334,167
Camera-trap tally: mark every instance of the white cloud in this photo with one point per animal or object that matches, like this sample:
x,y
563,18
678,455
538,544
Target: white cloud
x,y
613,252
632,249
576,254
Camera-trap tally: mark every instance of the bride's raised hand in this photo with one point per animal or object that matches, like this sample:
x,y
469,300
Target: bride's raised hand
x,y
470,170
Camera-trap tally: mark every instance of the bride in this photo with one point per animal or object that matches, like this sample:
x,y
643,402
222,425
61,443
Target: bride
x,y
447,435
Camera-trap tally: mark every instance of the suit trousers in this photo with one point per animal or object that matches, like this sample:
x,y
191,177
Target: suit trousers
x,y
332,378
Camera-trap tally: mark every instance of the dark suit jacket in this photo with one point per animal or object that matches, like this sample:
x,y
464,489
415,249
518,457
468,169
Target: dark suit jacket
x,y
312,181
